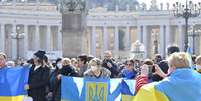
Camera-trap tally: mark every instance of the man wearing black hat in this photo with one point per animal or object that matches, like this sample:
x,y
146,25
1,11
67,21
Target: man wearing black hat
x,y
38,78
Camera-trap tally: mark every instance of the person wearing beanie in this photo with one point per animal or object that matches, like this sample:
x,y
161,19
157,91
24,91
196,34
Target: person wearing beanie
x,y
38,78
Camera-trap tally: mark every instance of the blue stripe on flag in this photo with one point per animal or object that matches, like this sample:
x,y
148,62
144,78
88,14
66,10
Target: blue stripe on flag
x,y
189,51
92,89
12,81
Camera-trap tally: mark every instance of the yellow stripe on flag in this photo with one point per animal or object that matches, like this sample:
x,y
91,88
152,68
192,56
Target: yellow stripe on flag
x,y
11,98
127,98
149,93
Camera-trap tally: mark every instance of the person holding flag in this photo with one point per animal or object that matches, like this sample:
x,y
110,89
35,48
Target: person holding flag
x,y
181,84
12,81
38,78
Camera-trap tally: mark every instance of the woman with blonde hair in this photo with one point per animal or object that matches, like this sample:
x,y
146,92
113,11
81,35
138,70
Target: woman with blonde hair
x,y
74,63
198,64
181,84
96,70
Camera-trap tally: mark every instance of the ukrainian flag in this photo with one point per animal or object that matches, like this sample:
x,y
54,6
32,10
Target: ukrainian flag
x,y
93,89
12,81
182,85
128,90
189,53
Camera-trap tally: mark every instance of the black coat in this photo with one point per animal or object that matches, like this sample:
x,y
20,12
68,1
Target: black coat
x,y
114,69
55,84
38,81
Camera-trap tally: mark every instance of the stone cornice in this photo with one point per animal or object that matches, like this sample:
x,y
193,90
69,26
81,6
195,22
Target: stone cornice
x,y
98,19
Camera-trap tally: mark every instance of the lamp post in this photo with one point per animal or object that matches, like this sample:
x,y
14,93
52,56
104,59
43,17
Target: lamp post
x,y
186,11
18,36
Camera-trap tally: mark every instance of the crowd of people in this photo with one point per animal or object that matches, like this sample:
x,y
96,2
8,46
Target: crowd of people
x,y
44,83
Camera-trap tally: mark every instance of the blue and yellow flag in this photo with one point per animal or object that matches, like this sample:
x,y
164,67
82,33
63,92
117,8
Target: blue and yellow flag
x,y
92,89
181,85
12,81
189,53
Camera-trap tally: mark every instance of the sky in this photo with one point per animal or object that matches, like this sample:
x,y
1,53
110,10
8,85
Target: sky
x,y
165,1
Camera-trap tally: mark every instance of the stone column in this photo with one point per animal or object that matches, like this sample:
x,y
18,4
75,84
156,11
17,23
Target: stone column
x,y
59,39
26,41
37,4
14,42
116,8
37,38
48,39
181,38
162,41
127,8
145,41
14,3
105,38
127,38
93,41
116,39
139,33
2,38
167,35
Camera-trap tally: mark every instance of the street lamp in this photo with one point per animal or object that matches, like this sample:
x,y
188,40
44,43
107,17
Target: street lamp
x,y
18,36
186,11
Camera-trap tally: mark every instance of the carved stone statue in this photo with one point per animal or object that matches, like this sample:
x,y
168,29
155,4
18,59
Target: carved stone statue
x,y
168,6
143,6
154,5
161,4
71,5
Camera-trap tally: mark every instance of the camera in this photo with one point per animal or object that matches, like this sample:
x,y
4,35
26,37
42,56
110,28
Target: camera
x,y
152,69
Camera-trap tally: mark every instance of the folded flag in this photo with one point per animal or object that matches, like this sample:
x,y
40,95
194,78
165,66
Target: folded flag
x,y
12,81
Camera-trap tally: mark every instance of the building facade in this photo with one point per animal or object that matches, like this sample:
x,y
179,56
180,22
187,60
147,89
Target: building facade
x,y
29,26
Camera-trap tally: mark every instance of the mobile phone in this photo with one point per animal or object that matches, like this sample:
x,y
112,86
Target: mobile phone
x,y
153,69
150,73
150,69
